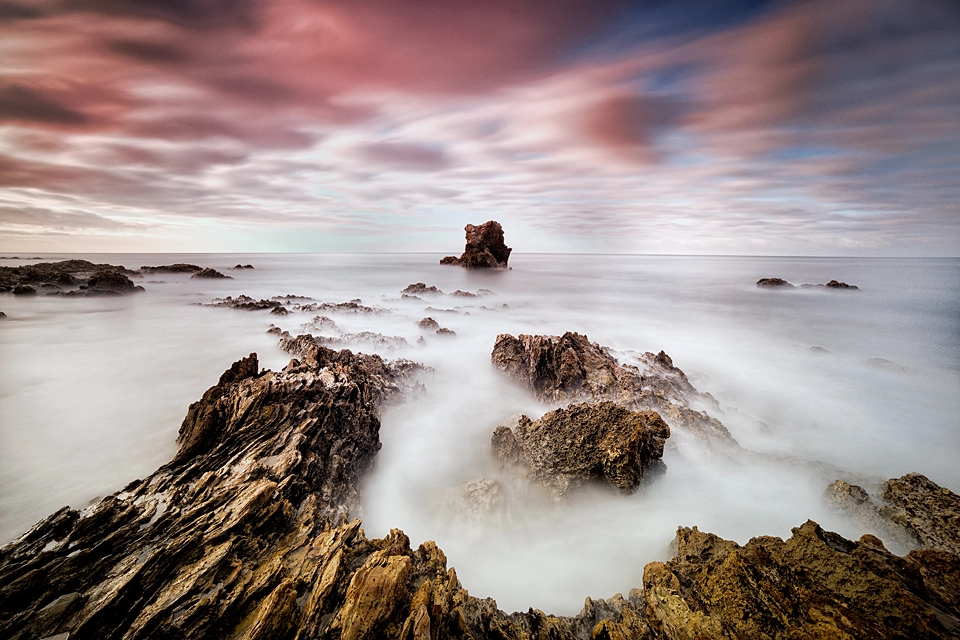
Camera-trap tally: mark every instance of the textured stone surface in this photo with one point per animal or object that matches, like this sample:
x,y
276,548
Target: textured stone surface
x,y
211,274
586,442
570,368
69,277
485,248
816,584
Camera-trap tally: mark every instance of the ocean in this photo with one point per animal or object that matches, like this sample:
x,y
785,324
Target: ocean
x,y
93,390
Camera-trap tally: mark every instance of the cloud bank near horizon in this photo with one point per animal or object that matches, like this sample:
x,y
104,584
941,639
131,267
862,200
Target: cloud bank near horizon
x,y
813,127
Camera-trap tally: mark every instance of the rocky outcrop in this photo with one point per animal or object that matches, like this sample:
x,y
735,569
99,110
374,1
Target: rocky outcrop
x,y
419,289
428,323
833,284
245,534
569,368
816,584
583,443
68,277
485,248
774,282
244,303
179,267
912,511
209,273
244,266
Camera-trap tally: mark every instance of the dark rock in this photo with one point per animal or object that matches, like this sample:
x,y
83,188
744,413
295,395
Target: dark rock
x,y
774,282
569,368
210,273
179,267
2,315
419,288
448,333
279,311
833,284
586,442
24,290
485,248
106,279
464,294
429,323
244,266
299,345
816,584
290,296
244,303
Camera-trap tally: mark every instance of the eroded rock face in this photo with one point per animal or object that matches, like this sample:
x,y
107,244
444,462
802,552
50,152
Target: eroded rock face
x,y
911,511
570,368
586,442
816,584
485,248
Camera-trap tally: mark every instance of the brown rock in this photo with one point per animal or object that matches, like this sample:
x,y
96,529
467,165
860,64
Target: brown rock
x,y
485,248
586,442
209,273
569,368
774,282
429,323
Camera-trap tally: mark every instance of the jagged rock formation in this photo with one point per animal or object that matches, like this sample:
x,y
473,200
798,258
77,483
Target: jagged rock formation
x,y
781,283
569,368
485,248
68,277
913,511
428,323
179,267
816,584
298,345
244,535
210,273
586,442
244,303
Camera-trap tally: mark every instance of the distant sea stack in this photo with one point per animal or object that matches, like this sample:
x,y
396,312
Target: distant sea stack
x,y
485,248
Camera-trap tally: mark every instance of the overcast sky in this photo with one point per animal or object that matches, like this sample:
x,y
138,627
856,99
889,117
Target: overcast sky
x,y
821,127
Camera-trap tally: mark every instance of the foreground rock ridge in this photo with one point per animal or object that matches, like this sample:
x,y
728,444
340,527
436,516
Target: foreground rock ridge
x,y
246,534
485,248
570,368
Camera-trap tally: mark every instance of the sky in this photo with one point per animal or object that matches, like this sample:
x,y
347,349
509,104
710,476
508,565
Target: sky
x,y
814,127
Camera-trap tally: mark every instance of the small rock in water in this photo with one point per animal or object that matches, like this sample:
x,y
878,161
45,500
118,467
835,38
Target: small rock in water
x,y
429,323
419,288
485,248
448,333
774,282
210,273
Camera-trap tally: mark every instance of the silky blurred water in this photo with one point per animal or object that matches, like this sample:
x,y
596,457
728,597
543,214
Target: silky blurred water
x,y
92,393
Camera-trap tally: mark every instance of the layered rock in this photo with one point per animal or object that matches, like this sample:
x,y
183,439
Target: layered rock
x,y
816,584
68,277
485,248
584,443
912,511
570,368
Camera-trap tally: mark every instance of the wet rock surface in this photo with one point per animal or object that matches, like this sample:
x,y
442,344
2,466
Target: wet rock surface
x,y
68,277
584,443
485,248
570,368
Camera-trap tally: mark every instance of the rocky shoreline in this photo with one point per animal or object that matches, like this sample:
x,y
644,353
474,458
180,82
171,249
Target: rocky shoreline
x,y
248,531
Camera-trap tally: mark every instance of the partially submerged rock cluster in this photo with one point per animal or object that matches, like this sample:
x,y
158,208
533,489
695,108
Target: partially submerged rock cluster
x,y
68,277
781,283
246,534
485,248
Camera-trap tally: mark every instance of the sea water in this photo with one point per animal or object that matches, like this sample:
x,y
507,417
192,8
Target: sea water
x,y
92,393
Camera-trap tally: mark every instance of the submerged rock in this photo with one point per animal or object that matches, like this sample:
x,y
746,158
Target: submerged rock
x,y
774,282
429,323
586,442
24,290
569,368
419,288
485,248
210,273
179,267
244,303
244,266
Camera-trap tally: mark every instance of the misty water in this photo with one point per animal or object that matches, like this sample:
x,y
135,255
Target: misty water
x,y
92,393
